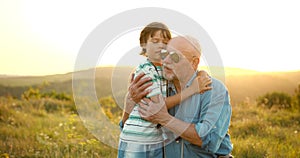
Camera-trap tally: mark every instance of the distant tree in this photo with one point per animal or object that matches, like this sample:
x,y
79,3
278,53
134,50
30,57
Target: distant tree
x,y
278,99
59,96
31,93
35,93
297,98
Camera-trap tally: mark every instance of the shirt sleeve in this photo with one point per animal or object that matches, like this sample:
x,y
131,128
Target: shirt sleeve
x,y
216,112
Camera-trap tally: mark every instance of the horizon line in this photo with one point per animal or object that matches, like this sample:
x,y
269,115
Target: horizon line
x,y
111,66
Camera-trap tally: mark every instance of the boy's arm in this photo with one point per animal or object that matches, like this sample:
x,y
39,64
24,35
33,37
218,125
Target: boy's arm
x,y
128,106
171,101
199,85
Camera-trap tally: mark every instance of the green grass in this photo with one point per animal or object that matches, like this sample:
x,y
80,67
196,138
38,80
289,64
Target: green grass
x,y
48,127
30,129
260,132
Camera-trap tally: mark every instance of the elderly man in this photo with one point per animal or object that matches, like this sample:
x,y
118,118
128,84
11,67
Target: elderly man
x,y
198,126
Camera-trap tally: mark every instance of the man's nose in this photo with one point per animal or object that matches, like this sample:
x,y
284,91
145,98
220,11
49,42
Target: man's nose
x,y
166,60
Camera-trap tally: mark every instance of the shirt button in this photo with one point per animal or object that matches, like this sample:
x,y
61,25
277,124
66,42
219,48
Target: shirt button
x,y
177,141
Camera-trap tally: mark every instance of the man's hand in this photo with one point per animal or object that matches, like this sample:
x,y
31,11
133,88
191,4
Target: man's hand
x,y
137,89
157,113
201,83
154,112
136,92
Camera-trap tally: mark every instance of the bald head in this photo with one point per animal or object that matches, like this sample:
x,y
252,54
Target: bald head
x,y
189,46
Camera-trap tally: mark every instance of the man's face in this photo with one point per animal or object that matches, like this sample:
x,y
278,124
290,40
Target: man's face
x,y
173,62
168,68
177,59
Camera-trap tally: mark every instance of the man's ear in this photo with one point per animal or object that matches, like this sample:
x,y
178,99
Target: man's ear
x,y
195,62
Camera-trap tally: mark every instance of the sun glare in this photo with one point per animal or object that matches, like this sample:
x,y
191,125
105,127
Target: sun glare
x,y
44,37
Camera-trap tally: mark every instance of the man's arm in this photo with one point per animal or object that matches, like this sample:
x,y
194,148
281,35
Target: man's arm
x,y
217,111
158,113
136,91
138,86
185,130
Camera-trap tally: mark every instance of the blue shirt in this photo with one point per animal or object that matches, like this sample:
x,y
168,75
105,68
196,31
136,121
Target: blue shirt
x,y
211,113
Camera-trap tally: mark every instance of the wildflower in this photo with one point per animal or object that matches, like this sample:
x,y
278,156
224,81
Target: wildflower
x,y
82,143
5,155
56,133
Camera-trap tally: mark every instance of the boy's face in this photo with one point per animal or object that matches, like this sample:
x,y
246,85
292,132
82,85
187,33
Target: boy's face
x,y
154,46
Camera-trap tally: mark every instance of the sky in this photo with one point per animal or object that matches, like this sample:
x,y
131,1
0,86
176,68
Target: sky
x,y
44,37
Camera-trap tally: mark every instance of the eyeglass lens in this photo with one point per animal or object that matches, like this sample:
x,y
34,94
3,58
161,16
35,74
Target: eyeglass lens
x,y
174,56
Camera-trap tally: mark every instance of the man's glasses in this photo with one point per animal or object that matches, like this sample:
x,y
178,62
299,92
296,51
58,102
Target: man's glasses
x,y
173,55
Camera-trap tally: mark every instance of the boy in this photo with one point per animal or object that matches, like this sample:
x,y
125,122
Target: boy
x,y
140,138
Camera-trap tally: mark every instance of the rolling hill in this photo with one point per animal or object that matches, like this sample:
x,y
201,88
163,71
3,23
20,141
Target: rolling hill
x,y
242,84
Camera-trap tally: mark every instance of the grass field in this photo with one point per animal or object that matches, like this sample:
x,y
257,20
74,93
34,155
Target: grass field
x,y
45,126
29,129
260,132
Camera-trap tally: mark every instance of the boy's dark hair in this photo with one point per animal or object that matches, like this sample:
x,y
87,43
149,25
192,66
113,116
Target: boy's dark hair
x,y
150,30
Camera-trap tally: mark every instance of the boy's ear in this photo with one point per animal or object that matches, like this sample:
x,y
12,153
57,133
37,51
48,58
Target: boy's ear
x,y
144,50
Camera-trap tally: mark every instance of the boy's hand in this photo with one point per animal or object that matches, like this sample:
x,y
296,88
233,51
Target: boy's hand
x,y
201,83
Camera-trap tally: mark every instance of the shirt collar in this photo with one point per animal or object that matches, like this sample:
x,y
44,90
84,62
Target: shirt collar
x,y
192,79
172,87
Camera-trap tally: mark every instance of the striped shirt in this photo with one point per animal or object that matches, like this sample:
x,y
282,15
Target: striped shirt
x,y
136,129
